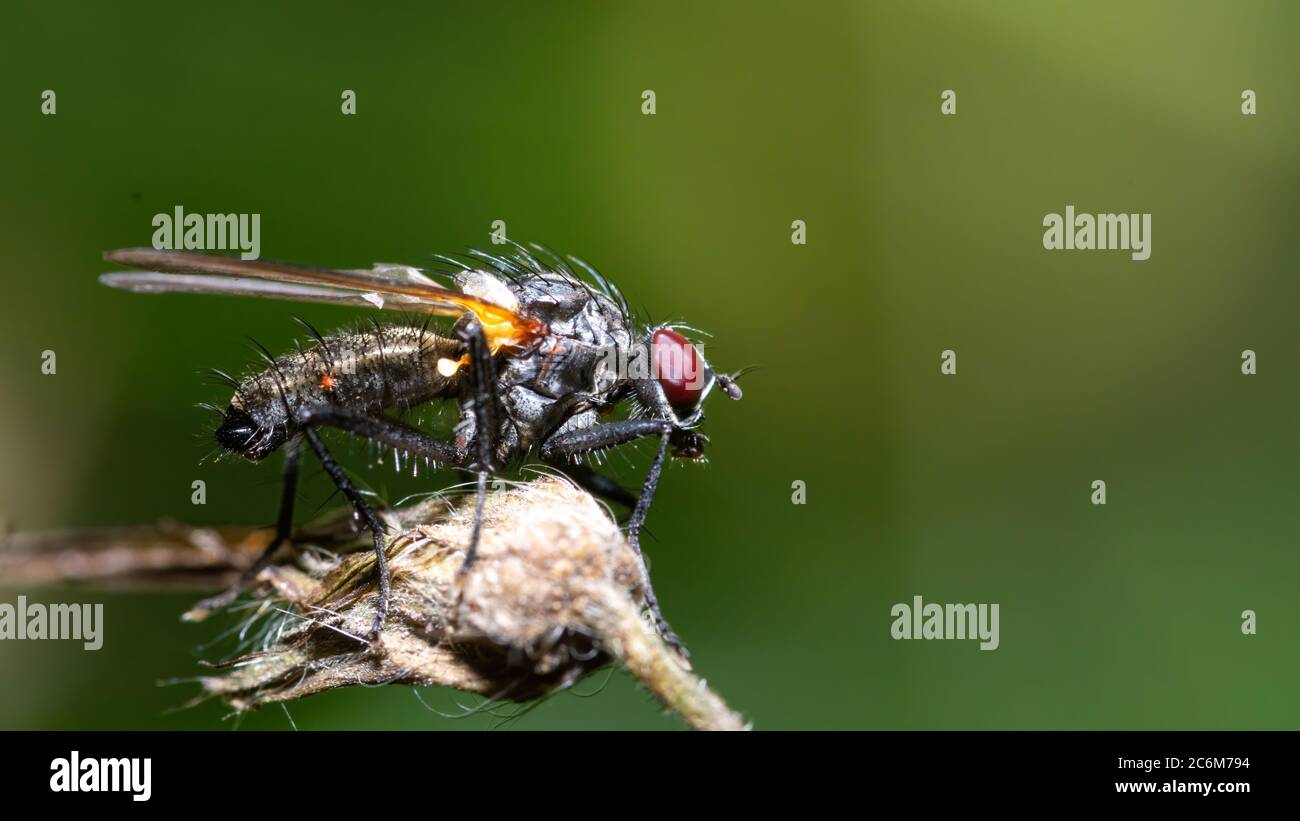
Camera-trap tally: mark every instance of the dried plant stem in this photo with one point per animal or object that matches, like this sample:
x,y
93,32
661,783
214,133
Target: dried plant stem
x,y
556,593
634,642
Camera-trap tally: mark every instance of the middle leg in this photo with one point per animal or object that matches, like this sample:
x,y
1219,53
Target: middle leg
x,y
483,374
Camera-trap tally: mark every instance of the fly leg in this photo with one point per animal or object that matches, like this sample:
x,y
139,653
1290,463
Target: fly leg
x,y
586,478
283,531
610,434
599,484
385,431
483,372
367,514
403,437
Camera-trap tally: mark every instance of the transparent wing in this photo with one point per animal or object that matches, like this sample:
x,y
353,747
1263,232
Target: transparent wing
x,y
395,287
151,282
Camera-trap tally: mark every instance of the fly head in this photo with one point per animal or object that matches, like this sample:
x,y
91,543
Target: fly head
x,y
676,386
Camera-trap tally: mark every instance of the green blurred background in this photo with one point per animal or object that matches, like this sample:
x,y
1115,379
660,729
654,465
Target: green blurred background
x,y
924,233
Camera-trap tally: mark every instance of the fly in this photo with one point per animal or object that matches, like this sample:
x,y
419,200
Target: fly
x,y
535,357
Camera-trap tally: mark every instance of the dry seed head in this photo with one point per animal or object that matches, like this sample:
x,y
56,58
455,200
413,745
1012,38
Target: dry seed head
x,y
555,593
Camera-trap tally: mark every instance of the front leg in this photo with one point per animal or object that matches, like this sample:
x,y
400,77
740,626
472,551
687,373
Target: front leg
x,y
610,434
607,435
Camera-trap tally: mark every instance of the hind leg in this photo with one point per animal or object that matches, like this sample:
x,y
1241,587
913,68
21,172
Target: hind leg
x,y
387,432
367,514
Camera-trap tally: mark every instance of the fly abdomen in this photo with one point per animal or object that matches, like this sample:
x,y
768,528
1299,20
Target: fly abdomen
x,y
366,371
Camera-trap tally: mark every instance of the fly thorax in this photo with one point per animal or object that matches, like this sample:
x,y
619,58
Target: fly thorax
x,y
565,366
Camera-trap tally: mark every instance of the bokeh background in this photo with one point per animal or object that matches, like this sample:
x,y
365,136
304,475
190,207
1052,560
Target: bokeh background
x,y
924,234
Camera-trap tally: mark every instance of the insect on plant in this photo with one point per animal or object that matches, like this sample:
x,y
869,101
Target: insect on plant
x,y
535,357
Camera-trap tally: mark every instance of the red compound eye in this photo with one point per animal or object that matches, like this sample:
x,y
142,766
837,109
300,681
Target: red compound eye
x,y
679,369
